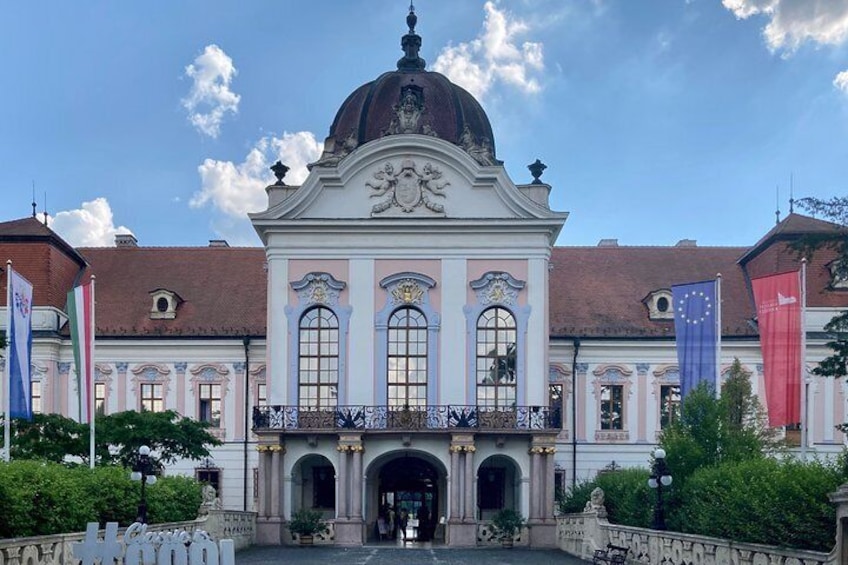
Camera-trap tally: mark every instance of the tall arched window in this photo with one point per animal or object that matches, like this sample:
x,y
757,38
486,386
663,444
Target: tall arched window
x,y
496,359
407,358
318,359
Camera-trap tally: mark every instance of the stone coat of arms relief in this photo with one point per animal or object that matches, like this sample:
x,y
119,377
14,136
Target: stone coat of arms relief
x,y
408,188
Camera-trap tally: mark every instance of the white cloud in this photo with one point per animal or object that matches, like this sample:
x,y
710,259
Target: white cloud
x,y
90,226
793,22
494,55
841,81
210,97
236,189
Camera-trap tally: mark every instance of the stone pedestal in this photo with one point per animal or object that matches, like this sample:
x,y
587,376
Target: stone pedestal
x,y
840,500
349,532
543,534
269,531
461,534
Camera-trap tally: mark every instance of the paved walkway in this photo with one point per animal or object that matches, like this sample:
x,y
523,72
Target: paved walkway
x,y
388,554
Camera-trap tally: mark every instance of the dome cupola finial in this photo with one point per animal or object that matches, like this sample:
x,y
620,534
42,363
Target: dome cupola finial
x,y
411,43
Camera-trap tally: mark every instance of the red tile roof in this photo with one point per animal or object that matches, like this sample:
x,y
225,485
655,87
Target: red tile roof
x,y
223,290
598,291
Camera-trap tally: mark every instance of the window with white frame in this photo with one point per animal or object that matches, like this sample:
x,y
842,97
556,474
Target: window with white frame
x,y
612,407
407,359
35,396
261,394
151,397
496,359
318,359
209,403
669,405
100,399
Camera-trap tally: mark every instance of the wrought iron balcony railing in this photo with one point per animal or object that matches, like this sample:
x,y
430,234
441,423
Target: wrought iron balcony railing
x,y
517,418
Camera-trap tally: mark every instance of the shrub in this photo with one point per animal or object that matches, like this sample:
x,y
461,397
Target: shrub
x,y
763,501
628,499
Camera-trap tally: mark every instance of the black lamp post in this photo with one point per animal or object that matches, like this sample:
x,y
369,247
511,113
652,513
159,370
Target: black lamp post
x,y
659,478
143,471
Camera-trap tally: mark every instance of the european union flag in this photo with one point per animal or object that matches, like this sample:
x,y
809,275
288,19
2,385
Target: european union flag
x,y
696,329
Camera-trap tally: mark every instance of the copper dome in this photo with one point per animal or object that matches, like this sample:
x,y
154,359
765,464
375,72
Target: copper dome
x,y
410,100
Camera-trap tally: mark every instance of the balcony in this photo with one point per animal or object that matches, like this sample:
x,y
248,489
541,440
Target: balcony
x,y
393,418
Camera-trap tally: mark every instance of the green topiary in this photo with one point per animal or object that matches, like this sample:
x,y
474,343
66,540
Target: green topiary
x,y
307,522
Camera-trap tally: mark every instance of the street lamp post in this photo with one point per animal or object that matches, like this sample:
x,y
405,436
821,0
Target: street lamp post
x,y
659,478
143,471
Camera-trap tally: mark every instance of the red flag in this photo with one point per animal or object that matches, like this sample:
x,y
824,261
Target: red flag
x,y
778,300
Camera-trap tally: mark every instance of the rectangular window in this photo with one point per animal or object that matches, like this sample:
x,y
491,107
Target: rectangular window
x,y
209,476
100,399
669,405
555,406
151,397
324,493
209,408
612,407
35,395
261,394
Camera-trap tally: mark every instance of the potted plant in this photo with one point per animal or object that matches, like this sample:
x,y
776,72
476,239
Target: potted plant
x,y
305,523
505,524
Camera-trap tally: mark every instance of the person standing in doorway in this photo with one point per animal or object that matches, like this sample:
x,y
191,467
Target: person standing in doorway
x,y
403,519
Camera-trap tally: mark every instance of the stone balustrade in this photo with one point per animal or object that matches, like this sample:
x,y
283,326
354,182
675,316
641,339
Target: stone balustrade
x,y
581,534
56,549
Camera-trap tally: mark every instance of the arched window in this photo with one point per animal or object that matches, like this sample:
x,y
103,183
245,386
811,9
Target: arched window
x,y
496,359
407,358
318,358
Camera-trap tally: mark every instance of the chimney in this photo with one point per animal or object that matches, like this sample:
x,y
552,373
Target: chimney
x,y
687,243
218,243
608,243
125,240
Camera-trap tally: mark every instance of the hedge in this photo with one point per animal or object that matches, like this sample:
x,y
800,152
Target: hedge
x,y
39,498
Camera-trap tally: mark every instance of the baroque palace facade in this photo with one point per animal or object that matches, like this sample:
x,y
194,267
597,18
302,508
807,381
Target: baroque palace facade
x,y
409,335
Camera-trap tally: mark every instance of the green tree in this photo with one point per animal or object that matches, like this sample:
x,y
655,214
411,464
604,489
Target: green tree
x,y
49,437
168,434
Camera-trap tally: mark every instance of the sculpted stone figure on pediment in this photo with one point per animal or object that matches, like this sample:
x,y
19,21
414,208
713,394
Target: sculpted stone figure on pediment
x,y
408,188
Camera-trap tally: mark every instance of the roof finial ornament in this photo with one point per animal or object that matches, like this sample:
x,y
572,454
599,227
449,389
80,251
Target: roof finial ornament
x,y
536,169
34,205
411,43
279,171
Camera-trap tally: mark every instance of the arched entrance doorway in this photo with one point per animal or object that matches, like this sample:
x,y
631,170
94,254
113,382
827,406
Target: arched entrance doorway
x,y
412,484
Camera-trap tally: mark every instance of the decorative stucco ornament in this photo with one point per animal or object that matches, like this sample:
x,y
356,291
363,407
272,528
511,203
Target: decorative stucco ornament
x,y
480,150
407,189
318,288
407,291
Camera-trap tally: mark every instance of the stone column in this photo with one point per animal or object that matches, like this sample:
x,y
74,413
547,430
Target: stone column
x,y
343,490
550,478
277,452
454,510
468,506
356,479
262,494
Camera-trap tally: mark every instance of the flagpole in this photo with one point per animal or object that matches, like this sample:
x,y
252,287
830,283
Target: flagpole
x,y
90,384
7,381
718,336
803,367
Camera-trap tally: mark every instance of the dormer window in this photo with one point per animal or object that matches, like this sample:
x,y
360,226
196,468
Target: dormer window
x,y
659,305
164,305
838,274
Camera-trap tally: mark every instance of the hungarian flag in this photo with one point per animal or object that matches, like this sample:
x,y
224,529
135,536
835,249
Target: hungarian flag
x,y
20,346
778,300
81,314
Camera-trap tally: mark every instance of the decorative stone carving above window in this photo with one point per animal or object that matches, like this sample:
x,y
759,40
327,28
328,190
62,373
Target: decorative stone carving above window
x,y
660,305
318,288
838,274
409,189
497,288
164,304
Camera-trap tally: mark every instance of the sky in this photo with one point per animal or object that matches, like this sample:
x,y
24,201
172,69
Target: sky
x,y
659,120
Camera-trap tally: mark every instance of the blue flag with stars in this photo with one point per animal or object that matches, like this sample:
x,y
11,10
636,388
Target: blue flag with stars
x,y
695,327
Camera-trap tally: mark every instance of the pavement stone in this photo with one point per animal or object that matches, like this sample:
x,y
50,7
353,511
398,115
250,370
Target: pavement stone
x,y
385,555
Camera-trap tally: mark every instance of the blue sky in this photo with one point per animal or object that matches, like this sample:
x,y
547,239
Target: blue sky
x,y
659,120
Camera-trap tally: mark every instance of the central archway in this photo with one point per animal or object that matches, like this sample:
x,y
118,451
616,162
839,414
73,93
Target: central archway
x,y
411,483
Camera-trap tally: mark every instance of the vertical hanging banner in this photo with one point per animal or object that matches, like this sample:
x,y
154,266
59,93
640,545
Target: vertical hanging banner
x,y
778,301
81,314
20,346
696,331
